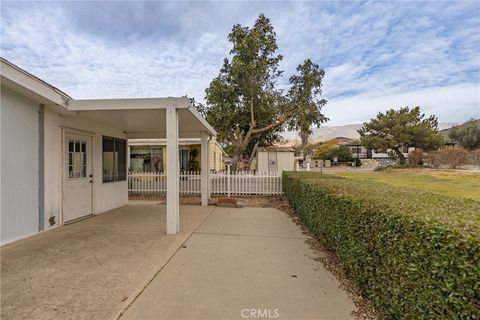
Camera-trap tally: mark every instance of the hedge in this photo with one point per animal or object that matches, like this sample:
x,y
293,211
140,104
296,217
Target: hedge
x,y
414,254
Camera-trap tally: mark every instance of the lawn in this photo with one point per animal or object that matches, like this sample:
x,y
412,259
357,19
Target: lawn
x,y
452,183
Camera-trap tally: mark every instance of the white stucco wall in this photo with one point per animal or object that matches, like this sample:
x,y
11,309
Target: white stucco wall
x,y
285,161
19,166
106,196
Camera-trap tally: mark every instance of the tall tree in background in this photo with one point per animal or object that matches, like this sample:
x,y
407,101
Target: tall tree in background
x,y
243,102
404,127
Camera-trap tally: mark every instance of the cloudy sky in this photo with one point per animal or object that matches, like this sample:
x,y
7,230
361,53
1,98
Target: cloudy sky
x,y
376,55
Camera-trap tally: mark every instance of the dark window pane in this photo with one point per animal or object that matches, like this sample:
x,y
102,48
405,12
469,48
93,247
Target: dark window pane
x,y
114,159
70,145
70,158
121,148
84,147
70,171
84,159
77,146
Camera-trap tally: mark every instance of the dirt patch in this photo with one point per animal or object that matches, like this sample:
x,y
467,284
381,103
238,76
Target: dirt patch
x,y
278,202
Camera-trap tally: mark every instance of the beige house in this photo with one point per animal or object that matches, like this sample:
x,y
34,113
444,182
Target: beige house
x,y
147,155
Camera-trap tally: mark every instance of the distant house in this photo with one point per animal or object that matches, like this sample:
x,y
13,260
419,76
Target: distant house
x,y
361,152
275,159
147,155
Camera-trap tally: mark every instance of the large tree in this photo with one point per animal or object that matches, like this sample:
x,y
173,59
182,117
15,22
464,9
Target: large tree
x,y
243,101
404,127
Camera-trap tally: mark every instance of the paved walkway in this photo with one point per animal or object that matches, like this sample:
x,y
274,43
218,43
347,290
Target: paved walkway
x,y
224,264
240,264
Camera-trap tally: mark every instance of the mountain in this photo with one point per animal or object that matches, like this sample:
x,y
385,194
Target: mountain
x,y
329,132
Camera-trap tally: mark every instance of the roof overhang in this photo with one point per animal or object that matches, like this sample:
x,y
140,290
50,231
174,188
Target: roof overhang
x,y
30,86
143,118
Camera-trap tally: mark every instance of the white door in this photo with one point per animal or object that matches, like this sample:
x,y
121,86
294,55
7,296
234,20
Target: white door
x,y
78,178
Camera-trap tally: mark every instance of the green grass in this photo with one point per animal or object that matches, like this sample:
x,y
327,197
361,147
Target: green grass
x,y
451,183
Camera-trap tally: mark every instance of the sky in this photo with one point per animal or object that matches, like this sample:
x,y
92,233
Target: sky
x,y
376,55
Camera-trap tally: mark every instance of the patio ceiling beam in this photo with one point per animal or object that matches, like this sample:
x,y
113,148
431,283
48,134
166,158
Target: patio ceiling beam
x,y
128,104
182,134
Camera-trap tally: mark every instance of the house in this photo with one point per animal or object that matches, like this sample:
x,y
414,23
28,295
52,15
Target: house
x,y
147,155
275,159
64,159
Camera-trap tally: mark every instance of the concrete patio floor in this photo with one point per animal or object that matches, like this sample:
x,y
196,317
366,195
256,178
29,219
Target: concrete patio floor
x,y
226,263
90,269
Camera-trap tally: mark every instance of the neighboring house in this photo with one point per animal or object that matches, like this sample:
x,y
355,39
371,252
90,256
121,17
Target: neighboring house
x,y
147,155
64,159
359,151
275,159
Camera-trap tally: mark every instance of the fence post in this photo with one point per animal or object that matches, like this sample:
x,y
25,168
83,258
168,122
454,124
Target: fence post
x,y
228,181
308,166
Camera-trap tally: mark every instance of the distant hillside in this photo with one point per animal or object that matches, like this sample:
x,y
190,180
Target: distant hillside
x,y
329,132
446,132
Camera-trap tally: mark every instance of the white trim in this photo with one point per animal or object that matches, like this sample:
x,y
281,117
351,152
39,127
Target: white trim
x,y
24,82
129,104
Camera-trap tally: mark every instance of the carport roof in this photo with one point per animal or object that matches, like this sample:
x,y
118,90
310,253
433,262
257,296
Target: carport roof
x,y
143,118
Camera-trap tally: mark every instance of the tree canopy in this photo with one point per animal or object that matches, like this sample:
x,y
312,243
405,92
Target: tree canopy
x,y
244,103
468,135
404,127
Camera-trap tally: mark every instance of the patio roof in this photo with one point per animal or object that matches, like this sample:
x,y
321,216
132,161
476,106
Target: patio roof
x,y
143,118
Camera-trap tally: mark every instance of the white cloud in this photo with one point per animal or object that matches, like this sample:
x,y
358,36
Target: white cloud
x,y
376,55
455,103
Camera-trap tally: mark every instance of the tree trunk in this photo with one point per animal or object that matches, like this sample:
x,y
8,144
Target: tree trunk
x,y
400,155
235,158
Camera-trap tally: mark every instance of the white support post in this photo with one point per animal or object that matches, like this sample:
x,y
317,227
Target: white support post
x,y
173,223
228,180
205,169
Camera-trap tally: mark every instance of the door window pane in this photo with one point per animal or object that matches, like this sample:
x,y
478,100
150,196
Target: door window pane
x,y
77,159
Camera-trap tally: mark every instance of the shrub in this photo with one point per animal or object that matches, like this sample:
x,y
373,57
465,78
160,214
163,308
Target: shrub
x,y
343,153
414,254
415,157
475,157
451,157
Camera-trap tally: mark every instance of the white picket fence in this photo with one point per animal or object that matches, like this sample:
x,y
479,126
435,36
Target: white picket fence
x,y
220,183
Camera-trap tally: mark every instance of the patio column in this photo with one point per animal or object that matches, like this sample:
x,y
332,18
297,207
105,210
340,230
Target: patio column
x,y
205,169
173,221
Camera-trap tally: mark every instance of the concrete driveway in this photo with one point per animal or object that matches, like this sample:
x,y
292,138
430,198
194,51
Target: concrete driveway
x,y
225,264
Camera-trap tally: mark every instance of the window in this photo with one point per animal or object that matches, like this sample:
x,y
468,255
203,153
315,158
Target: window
x,y
77,159
114,159
146,159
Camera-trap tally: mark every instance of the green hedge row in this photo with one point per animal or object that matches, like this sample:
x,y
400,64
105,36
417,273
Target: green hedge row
x,y
414,254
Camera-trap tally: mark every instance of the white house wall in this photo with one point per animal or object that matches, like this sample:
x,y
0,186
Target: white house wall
x,y
106,196
19,166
